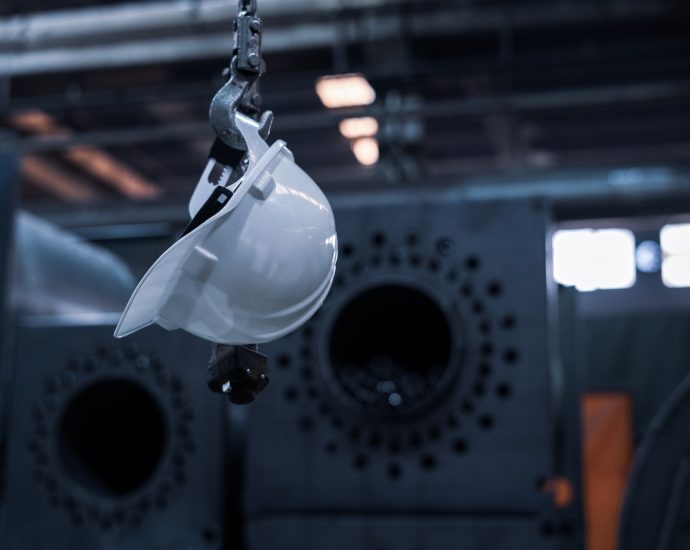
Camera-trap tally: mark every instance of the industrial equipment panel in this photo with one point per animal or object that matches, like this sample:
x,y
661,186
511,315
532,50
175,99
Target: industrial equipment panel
x,y
113,444
424,384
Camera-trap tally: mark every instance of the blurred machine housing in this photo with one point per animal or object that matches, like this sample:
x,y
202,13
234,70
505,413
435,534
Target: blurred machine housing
x,y
447,301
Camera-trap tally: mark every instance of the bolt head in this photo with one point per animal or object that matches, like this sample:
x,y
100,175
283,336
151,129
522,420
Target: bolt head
x,y
253,59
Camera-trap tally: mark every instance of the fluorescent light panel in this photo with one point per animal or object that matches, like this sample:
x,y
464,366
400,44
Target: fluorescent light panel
x,y
366,150
346,90
353,128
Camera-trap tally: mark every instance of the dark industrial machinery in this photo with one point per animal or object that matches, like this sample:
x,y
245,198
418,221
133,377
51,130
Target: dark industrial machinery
x,y
112,445
8,189
656,510
424,386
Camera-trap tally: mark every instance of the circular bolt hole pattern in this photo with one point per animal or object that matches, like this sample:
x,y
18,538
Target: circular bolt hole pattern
x,y
486,421
108,450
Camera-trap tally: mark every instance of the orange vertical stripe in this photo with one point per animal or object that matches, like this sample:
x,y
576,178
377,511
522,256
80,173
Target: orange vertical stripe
x,y
607,447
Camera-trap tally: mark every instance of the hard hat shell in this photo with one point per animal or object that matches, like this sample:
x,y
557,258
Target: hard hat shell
x,y
255,271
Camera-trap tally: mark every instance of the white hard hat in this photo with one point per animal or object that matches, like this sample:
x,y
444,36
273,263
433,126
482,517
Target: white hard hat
x,y
255,271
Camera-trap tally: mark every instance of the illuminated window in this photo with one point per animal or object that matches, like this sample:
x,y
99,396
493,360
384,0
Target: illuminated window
x,y
675,247
593,259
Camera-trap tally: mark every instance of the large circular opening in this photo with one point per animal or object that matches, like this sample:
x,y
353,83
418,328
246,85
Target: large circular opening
x,y
111,437
390,349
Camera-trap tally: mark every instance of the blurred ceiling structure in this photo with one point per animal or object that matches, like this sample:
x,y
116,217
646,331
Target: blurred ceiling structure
x,y
108,102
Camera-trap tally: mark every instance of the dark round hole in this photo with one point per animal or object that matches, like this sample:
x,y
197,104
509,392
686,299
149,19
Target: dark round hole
x,y
337,423
355,433
375,440
504,390
511,355
472,263
484,370
313,392
395,257
283,361
567,528
291,393
378,239
494,288
111,437
435,433
415,440
360,461
444,246
394,470
412,239
428,461
394,445
547,528
508,321
371,364
460,446
307,424
307,373
487,348
347,250
486,421
453,419
485,326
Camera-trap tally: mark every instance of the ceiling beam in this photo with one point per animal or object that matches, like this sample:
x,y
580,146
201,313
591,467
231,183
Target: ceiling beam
x,y
93,161
50,177
534,102
168,32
